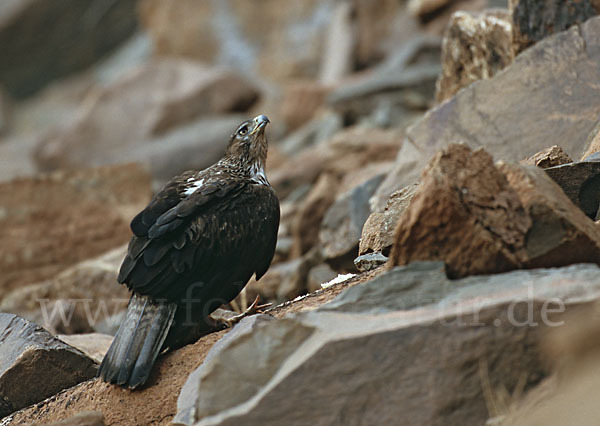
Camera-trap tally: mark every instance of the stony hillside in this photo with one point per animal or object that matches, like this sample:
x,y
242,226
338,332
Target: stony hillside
x,y
438,170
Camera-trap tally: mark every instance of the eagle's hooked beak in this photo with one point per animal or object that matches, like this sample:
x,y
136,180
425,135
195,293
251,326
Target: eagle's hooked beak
x,y
260,123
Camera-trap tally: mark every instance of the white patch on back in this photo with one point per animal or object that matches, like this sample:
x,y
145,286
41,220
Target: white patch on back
x,y
195,186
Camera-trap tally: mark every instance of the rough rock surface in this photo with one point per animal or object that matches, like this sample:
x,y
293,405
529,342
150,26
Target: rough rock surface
x,y
373,359
535,19
343,223
482,218
463,212
378,231
581,183
560,233
475,46
51,222
75,300
59,38
549,157
158,96
85,418
548,96
29,354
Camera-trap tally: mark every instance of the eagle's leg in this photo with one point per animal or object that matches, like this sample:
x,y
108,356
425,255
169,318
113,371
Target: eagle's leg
x,y
253,309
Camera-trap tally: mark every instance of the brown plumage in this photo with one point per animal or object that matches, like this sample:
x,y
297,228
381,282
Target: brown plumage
x,y
194,248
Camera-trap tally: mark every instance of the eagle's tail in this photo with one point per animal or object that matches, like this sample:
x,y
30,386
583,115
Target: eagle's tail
x,y
138,341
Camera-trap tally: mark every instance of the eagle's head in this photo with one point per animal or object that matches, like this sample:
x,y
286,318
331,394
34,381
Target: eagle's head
x,y
248,144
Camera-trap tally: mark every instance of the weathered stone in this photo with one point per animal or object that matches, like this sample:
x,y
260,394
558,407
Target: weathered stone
x,y
534,20
549,157
190,392
59,38
560,233
76,299
94,345
158,97
482,218
342,225
370,261
51,222
592,143
378,231
475,47
519,111
326,366
465,213
581,183
34,365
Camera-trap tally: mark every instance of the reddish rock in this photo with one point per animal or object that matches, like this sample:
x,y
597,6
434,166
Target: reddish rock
x,y
481,218
464,213
53,221
301,100
549,157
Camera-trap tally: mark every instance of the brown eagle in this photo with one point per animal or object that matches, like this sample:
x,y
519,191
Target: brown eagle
x,y
194,248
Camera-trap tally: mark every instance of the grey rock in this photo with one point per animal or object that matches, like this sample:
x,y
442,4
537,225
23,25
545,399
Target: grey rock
x,y
519,111
313,133
34,365
369,261
318,275
376,365
581,183
343,222
199,399
60,38
94,345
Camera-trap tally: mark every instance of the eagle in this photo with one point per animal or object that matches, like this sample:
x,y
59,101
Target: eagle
x,y
193,249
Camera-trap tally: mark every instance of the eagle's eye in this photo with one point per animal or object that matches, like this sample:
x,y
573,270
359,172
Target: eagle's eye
x,y
243,131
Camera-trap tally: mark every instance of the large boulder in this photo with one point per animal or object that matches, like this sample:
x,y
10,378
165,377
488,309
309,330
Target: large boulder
x,y
519,111
42,40
121,121
481,218
53,221
34,365
369,353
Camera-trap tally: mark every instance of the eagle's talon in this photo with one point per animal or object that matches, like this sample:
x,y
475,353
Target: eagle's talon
x,y
253,309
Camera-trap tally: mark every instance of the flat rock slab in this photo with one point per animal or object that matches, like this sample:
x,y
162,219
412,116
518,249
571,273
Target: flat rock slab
x,y
548,96
34,365
426,365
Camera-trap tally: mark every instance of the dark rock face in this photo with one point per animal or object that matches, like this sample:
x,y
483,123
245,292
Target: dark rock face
x,y
29,354
534,20
42,40
581,183
369,354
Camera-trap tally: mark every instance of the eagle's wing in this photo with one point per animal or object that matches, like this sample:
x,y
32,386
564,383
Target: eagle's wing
x,y
225,230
